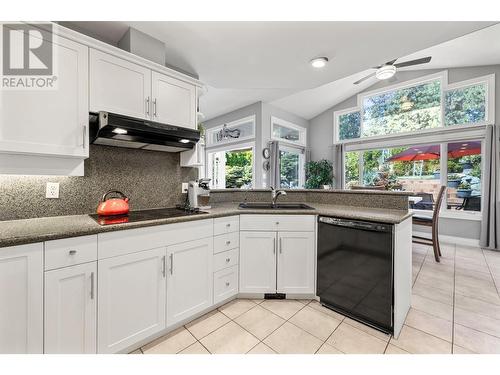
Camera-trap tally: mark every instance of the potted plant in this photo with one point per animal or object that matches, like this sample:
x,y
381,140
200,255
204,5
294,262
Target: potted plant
x,y
464,190
454,180
318,174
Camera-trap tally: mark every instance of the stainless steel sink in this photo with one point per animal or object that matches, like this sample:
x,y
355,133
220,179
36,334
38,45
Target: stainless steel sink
x,y
277,206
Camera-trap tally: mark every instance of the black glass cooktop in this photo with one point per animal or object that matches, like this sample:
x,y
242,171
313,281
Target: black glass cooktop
x,y
145,215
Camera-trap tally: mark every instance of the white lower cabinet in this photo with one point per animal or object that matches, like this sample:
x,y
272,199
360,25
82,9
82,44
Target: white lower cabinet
x,y
71,310
225,284
257,262
296,257
189,279
21,299
132,299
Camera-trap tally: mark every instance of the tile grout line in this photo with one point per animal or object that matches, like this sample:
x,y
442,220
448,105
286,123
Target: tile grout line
x,y
489,270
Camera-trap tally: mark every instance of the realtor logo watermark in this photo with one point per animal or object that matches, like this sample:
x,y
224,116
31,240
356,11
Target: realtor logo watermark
x,y
27,57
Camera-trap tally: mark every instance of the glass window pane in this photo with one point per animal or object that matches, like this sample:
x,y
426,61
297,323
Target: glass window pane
x,y
464,176
404,110
465,105
231,133
350,125
286,133
239,169
351,169
290,169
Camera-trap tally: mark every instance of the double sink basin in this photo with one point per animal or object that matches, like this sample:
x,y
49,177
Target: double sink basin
x,y
277,206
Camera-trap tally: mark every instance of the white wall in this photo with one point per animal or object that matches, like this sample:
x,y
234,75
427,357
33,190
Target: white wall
x,y
321,132
263,113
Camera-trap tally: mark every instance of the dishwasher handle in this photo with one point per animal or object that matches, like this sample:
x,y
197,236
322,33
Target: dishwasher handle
x,y
356,224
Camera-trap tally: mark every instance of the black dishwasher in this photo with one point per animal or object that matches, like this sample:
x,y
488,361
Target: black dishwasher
x,y
355,269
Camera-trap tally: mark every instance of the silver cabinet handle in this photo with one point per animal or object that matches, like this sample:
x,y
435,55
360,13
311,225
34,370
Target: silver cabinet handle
x,y
274,245
172,263
154,108
163,266
72,252
228,260
280,246
84,138
92,285
147,106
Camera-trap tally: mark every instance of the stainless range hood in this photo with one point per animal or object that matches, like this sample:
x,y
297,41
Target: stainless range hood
x,y
111,129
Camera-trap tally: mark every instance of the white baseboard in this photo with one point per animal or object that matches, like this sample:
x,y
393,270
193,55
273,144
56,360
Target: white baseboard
x,y
451,239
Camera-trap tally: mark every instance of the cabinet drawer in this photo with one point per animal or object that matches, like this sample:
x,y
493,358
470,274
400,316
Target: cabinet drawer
x,y
225,259
70,251
303,223
226,242
226,225
225,284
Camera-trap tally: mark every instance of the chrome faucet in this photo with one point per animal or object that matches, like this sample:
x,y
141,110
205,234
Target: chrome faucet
x,y
275,194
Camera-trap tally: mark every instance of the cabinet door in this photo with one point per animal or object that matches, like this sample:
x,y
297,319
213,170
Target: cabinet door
x,y
21,299
257,262
71,309
50,121
295,262
131,297
174,101
189,279
119,86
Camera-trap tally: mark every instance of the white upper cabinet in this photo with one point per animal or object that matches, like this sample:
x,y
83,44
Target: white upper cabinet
x,y
257,262
119,86
21,299
131,299
71,310
49,121
296,262
189,279
174,101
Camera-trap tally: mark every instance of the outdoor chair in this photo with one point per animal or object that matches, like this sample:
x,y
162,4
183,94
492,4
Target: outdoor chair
x,y
432,222
426,203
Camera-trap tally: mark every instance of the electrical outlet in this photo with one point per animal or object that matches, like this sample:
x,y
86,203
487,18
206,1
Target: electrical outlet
x,y
185,186
52,190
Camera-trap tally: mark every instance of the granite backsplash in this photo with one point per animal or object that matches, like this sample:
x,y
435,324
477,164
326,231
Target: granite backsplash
x,y
151,179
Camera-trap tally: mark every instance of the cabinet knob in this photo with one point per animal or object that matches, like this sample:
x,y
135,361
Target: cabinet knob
x,y
228,242
228,225
227,283
72,252
228,260
277,223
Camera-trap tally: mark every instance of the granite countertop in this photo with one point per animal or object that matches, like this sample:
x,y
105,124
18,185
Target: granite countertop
x,y
18,232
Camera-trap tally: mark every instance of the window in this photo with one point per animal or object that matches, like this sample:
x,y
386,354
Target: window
x,y
417,107
418,169
466,105
287,132
292,173
231,168
234,131
403,110
349,125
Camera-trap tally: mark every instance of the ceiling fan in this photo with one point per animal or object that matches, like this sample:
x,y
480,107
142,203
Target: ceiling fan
x,y
387,70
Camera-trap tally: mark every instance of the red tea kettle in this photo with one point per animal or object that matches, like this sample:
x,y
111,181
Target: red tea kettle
x,y
113,206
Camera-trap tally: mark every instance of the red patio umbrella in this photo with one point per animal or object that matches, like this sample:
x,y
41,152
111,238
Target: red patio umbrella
x,y
429,152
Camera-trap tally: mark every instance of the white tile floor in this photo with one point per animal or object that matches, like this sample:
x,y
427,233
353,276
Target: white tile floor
x,y
455,309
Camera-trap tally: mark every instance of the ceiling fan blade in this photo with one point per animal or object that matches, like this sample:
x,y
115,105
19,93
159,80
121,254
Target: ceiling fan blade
x,y
387,63
423,60
364,78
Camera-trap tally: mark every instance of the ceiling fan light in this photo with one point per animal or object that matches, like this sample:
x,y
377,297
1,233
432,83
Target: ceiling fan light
x,y
319,62
385,72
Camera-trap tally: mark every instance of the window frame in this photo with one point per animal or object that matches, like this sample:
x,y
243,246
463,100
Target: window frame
x,y
445,86
236,147
302,161
302,142
211,131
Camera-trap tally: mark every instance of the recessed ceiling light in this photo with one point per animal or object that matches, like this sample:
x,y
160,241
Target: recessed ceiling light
x,y
119,131
184,140
319,62
385,72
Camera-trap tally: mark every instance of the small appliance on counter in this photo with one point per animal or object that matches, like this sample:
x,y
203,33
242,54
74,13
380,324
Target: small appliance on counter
x,y
199,194
113,206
